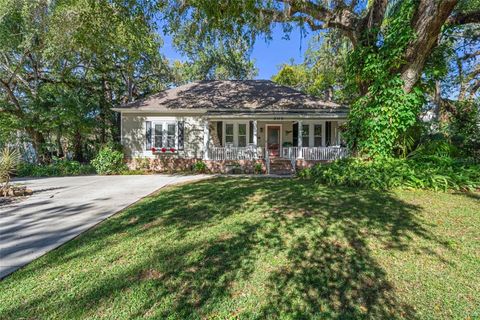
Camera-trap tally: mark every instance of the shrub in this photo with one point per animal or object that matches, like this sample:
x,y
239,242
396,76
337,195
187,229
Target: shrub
x,y
464,129
432,172
200,167
437,146
57,168
109,161
258,169
9,161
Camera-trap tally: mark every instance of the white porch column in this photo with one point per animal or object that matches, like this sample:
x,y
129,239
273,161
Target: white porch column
x,y
206,138
300,139
255,138
255,135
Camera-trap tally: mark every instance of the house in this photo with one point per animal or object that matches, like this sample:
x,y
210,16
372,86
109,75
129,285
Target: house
x,y
244,122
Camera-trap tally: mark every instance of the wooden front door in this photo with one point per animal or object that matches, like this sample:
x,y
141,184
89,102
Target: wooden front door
x,y
273,140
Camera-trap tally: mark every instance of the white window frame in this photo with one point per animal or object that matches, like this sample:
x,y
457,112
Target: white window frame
x,y
224,142
154,134
235,131
309,125
165,124
311,132
321,134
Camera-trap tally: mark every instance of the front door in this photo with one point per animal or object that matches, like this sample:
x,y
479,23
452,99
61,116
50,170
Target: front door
x,y
273,140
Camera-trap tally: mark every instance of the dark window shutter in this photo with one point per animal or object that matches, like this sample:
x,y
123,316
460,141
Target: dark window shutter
x,y
220,131
328,133
295,134
250,138
181,134
148,135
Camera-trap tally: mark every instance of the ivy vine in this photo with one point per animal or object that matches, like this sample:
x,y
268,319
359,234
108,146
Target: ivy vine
x,y
378,118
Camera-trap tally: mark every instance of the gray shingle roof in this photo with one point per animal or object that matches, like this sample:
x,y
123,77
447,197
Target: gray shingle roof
x,y
232,95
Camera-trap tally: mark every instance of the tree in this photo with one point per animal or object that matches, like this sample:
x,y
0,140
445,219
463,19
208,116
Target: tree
x,y
212,59
391,40
294,76
64,64
323,71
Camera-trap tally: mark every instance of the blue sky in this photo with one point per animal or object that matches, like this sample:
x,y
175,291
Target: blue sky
x,y
268,56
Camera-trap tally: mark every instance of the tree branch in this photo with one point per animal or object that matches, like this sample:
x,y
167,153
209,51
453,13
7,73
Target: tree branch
x,y
18,111
375,15
474,88
317,16
464,18
471,55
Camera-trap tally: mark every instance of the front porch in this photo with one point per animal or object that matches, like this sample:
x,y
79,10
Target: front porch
x,y
253,139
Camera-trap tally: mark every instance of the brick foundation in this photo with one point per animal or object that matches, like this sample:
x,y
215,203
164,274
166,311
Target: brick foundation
x,y
169,164
304,164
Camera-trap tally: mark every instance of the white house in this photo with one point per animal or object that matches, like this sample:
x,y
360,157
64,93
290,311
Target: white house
x,y
243,121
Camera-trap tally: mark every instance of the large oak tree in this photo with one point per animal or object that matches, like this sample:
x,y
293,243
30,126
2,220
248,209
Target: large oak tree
x,y
358,20
414,25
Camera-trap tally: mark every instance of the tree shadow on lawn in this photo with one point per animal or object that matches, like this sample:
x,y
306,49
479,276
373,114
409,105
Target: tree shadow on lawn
x,y
322,237
470,194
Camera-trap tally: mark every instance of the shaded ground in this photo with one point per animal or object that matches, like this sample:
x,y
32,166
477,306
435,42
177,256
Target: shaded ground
x,y
264,248
63,207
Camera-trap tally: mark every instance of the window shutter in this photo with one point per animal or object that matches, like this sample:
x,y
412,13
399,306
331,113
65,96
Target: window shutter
x,y
220,131
181,134
148,135
295,134
328,133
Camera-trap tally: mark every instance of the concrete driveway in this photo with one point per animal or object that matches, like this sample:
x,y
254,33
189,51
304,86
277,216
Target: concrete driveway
x,y
62,208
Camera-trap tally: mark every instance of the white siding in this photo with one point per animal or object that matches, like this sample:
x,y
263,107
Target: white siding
x,y
134,139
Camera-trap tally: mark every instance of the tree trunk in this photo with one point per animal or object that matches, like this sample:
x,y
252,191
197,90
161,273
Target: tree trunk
x,y
60,152
427,23
77,146
39,144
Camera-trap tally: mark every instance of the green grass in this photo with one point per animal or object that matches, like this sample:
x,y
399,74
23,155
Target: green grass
x,y
264,248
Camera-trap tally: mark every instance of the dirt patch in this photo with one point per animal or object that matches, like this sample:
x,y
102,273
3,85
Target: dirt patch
x,y
150,274
5,201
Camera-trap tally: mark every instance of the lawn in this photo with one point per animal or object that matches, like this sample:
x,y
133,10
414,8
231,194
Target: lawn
x,y
264,248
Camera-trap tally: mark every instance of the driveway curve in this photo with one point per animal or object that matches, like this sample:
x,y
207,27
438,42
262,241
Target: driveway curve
x,y
62,208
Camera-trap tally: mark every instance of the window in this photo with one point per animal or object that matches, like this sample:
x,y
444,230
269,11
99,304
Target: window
x,y
242,135
158,139
229,133
164,134
236,134
305,135
317,135
171,136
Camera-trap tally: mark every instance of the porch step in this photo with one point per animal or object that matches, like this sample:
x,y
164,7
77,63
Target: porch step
x,y
280,166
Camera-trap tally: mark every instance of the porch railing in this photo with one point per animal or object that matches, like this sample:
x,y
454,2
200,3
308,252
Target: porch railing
x,y
252,153
315,153
236,153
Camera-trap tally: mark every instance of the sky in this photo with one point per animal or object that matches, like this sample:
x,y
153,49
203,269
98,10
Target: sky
x,y
268,56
